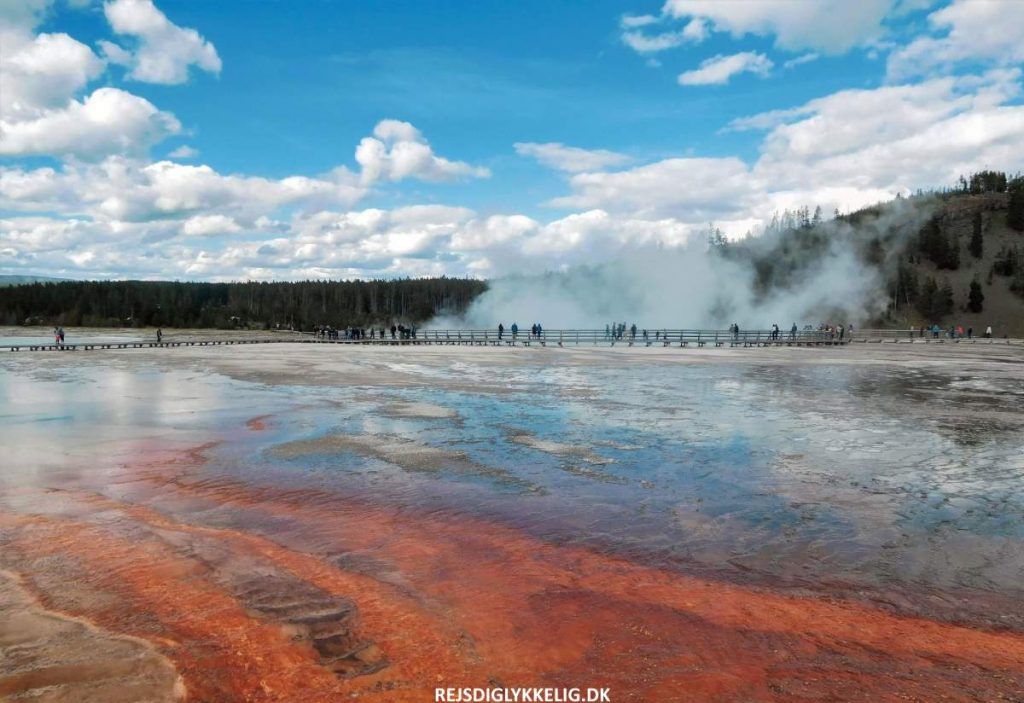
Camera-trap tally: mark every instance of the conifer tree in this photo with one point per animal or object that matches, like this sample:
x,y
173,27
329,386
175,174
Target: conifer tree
x,y
1015,213
976,245
975,297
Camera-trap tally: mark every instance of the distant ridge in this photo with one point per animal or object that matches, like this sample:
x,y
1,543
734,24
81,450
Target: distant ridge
x,y
12,280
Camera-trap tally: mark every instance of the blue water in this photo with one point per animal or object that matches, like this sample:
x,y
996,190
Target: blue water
x,y
863,473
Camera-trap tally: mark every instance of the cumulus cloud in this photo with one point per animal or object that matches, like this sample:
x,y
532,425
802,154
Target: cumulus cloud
x,y
207,225
718,70
897,138
42,72
163,52
131,190
990,31
828,26
41,113
108,121
845,151
696,189
570,158
397,151
110,210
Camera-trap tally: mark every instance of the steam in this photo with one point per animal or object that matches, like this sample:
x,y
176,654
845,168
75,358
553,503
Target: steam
x,y
695,285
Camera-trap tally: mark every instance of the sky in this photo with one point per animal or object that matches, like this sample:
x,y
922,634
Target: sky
x,y
272,140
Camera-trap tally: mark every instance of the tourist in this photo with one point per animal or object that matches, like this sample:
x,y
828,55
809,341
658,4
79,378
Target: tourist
x,y
970,333
501,330
792,331
515,330
61,335
988,332
56,336
159,335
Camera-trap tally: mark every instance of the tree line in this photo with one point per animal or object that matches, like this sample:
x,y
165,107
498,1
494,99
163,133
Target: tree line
x,y
293,305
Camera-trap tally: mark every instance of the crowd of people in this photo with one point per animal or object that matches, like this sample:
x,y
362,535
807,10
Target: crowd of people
x,y
620,330
536,331
356,333
954,332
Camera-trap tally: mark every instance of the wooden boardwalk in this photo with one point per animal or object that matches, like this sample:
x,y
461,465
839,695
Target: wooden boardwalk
x,y
549,338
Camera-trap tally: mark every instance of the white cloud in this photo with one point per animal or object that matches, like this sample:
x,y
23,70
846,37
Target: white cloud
x,y
42,72
184,152
989,31
631,21
480,235
697,190
802,59
164,52
99,214
898,138
694,32
397,151
122,189
207,225
108,121
829,26
570,158
41,113
719,69
846,150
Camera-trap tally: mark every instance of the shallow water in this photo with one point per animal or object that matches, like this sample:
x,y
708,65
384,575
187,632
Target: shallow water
x,y
868,474
889,484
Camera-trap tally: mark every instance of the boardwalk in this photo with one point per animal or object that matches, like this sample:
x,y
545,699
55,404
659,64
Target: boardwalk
x,y
682,338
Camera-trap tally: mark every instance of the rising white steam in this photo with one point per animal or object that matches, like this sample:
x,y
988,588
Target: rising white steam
x,y
694,286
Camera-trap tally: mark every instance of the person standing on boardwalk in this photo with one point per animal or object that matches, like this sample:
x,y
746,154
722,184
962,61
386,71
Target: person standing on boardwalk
x,y
60,335
515,330
501,330
159,335
988,332
56,336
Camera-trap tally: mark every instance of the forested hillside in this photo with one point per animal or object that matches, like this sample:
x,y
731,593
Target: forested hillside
x,y
300,305
954,257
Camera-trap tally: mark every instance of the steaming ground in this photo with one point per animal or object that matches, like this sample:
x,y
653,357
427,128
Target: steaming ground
x,y
311,522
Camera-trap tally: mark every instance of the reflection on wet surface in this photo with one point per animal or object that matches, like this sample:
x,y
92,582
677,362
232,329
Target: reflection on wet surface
x,y
892,486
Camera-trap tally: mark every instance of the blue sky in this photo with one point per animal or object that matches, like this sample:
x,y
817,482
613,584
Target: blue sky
x,y
217,140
